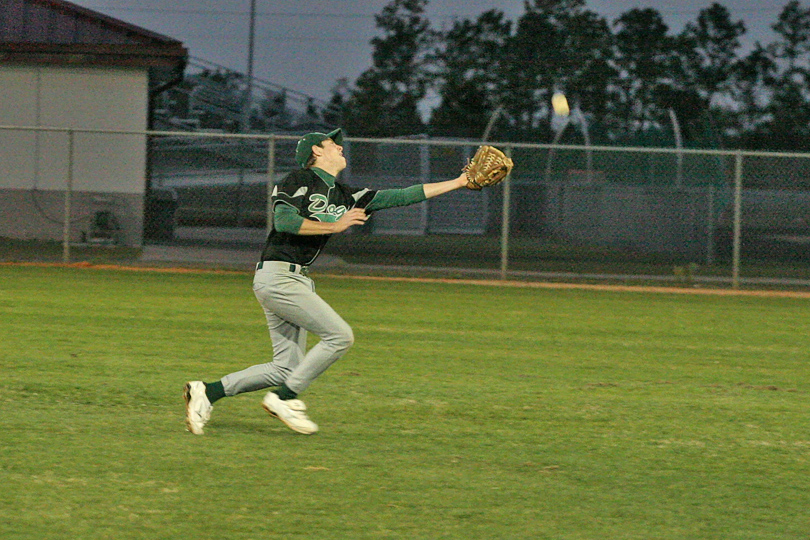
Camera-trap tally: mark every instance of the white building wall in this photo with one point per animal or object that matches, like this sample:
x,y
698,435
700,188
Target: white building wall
x,y
108,170
83,98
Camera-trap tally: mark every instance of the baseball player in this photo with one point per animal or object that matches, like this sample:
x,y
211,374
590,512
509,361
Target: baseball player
x,y
309,206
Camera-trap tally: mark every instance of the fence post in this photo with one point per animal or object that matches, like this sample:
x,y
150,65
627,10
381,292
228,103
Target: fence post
x,y
240,187
68,195
735,264
710,226
424,166
507,199
271,173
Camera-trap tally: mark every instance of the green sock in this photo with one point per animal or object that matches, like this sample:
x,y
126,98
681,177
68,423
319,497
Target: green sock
x,y
214,391
285,393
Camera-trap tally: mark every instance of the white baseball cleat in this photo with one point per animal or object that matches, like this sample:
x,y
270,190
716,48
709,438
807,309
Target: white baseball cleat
x,y
198,408
292,412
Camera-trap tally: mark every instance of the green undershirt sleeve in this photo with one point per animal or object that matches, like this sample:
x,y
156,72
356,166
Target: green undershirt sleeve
x,y
389,198
286,219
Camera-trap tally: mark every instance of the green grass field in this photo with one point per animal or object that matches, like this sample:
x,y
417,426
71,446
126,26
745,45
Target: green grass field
x,y
571,414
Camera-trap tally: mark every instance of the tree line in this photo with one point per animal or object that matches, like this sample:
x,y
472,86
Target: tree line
x,y
632,79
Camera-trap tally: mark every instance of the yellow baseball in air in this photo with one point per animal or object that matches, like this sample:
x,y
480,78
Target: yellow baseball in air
x,y
560,104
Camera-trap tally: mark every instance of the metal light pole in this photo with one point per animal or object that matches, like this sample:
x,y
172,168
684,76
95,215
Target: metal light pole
x,y
246,102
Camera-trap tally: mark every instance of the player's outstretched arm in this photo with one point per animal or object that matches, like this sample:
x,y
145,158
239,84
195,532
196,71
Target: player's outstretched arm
x,y
439,188
391,198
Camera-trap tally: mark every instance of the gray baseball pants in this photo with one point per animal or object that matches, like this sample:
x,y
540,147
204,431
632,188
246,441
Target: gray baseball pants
x,y
292,309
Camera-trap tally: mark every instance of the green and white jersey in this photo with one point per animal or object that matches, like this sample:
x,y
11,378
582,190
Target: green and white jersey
x,y
313,194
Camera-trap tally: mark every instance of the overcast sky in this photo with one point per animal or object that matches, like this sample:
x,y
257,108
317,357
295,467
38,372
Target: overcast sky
x,y
307,45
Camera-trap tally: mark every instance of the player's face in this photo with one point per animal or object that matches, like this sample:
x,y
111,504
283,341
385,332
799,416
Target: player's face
x,y
332,155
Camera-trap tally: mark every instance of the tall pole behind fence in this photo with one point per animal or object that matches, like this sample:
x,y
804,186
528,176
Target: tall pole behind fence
x,y
248,98
735,258
68,195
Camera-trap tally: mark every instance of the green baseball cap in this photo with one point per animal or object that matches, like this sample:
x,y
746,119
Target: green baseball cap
x,y
304,147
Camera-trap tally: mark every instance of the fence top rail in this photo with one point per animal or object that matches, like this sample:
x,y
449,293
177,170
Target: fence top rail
x,y
137,132
417,141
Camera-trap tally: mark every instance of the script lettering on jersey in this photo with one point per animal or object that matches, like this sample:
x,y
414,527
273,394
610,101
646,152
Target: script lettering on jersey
x,y
321,210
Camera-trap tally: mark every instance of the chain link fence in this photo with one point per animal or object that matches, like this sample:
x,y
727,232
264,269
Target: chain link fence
x,y
587,211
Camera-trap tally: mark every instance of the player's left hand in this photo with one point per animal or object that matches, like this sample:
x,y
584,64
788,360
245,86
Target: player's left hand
x,y
355,216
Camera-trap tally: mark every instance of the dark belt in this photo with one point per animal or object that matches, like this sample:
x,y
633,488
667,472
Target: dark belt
x,y
282,266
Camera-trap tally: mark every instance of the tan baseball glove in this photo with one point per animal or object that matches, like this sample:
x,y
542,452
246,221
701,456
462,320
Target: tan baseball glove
x,y
489,166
